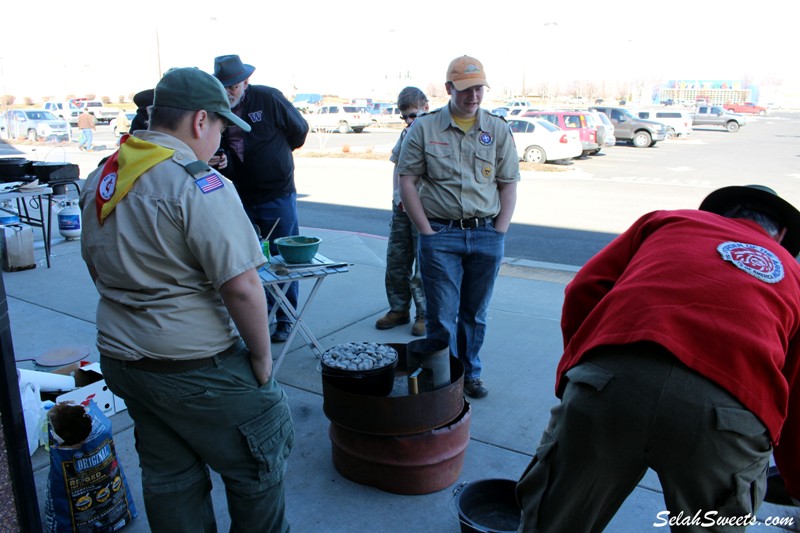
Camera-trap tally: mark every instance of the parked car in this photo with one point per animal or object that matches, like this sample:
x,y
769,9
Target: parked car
x,y
307,102
572,120
609,139
679,123
389,115
63,109
97,109
628,127
377,108
745,107
113,123
539,141
339,117
512,108
36,125
714,115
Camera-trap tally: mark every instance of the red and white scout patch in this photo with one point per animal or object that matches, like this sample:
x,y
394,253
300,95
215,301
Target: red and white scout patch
x,y
755,260
107,186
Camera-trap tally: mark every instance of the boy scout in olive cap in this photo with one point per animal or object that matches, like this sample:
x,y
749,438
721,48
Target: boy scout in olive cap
x,y
182,313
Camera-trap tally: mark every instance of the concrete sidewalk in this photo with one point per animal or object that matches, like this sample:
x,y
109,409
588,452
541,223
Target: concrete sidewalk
x,y
56,307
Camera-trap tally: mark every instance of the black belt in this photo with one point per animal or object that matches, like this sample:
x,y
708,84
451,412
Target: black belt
x,y
175,366
464,223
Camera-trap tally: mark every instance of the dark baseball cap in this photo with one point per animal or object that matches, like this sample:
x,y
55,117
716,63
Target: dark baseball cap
x,y
760,198
191,88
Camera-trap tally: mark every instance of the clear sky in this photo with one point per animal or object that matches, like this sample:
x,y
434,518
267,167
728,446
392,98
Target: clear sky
x,y
364,48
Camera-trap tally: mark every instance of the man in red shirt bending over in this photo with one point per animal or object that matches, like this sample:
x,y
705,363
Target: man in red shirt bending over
x,y
682,354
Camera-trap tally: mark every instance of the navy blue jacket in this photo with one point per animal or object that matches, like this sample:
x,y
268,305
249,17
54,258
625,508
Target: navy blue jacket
x,y
267,171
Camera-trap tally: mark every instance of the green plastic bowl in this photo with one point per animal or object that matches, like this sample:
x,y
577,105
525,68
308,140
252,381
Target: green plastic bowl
x,y
297,248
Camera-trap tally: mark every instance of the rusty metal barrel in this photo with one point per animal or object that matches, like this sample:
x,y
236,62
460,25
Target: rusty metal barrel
x,y
405,444
411,464
396,415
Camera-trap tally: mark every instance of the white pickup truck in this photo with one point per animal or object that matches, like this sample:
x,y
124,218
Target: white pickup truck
x,y
63,109
101,113
339,117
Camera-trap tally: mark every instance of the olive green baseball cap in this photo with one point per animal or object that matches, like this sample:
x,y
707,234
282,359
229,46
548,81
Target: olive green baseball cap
x,y
192,89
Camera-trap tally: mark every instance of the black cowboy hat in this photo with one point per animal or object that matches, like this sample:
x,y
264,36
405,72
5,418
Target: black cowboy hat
x,y
230,70
760,198
144,98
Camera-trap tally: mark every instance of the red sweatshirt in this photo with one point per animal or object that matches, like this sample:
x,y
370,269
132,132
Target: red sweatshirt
x,y
718,293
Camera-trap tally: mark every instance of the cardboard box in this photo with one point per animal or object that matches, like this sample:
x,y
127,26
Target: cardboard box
x,y
91,386
16,241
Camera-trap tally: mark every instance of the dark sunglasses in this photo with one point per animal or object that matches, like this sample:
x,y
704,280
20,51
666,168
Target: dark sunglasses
x,y
412,116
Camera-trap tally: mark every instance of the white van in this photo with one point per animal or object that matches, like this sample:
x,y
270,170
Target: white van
x,y
679,123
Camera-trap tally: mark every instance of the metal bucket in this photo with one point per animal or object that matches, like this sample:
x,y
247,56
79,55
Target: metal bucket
x,y
487,506
372,382
433,354
412,464
396,415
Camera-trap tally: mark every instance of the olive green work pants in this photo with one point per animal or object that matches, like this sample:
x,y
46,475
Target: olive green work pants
x,y
627,409
217,417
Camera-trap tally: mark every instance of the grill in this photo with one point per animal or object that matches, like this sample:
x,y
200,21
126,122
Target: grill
x,y
19,169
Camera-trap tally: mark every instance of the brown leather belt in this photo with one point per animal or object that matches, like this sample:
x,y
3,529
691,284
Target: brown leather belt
x,y
175,366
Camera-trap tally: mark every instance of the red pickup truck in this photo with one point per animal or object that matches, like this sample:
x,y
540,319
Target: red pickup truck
x,y
745,107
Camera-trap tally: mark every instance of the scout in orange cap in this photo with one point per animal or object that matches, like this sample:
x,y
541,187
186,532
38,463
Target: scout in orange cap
x,y
467,164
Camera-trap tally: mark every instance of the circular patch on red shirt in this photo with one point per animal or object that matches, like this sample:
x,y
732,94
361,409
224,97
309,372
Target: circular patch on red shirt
x,y
755,260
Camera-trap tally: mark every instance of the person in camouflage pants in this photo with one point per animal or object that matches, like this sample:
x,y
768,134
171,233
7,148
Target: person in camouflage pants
x,y
403,280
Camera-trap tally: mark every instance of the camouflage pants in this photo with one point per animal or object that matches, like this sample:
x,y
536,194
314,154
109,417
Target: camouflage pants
x,y
403,280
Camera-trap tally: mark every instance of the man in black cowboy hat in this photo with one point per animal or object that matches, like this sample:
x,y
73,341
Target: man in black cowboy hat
x,y
260,162
143,100
682,354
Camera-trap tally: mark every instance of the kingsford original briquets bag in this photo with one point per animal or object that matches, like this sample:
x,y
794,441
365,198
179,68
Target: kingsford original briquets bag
x,y
87,490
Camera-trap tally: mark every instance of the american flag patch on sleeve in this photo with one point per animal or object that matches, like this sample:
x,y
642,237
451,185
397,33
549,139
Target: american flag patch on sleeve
x,y
209,183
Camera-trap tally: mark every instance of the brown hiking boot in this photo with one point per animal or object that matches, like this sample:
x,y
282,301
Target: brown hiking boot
x,y
392,319
418,329
475,388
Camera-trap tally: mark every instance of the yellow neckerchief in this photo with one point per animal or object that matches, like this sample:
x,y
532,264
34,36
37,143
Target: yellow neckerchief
x,y
465,124
133,158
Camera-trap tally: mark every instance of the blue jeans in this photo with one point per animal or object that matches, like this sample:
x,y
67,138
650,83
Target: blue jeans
x,y
86,138
264,216
459,268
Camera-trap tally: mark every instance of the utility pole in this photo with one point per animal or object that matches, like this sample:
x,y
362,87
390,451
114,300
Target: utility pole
x,y
158,55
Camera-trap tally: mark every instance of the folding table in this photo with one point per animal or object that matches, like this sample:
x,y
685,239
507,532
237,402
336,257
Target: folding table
x,y
278,284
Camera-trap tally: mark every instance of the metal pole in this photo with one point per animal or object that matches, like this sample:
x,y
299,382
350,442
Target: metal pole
x,y
158,53
5,103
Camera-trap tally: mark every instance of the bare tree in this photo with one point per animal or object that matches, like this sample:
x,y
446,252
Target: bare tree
x,y
435,90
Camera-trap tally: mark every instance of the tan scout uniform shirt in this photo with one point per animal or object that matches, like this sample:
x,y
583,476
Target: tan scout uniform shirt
x,y
162,256
459,171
